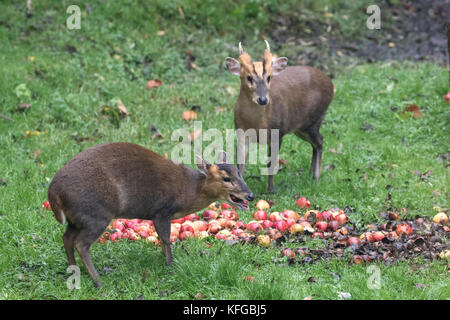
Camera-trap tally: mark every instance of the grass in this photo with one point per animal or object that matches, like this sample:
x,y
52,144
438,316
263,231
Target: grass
x,y
371,149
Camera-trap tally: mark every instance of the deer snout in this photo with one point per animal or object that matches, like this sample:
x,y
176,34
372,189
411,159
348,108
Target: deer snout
x,y
262,101
250,197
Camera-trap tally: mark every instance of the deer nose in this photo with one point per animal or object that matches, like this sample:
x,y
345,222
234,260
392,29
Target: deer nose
x,y
250,197
262,101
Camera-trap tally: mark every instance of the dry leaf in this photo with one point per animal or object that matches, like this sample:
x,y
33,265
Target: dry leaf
x,y
154,83
189,115
121,107
181,12
415,110
282,162
249,278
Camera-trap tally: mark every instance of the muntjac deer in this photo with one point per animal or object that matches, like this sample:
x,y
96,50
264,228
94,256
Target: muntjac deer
x,y
288,99
125,180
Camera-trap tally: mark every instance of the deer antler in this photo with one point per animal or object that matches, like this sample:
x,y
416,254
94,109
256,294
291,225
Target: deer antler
x,y
267,46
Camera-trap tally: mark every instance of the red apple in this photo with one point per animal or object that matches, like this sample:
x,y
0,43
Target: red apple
x,y
230,224
318,235
305,224
266,224
222,222
46,205
378,236
260,215
353,241
275,216
281,225
302,202
321,226
118,225
288,252
209,215
226,206
173,238
289,214
241,224
254,226
447,96
262,205
290,222
237,231
274,234
200,226
403,228
152,239
326,215
191,217
393,215
186,234
229,214
341,218
214,227
180,220
203,234
333,225
116,236
222,234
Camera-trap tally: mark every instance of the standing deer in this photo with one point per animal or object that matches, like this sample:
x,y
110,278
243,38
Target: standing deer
x,y
273,96
125,180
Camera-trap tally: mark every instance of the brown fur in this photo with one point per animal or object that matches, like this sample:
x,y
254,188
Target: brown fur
x,y
124,180
298,99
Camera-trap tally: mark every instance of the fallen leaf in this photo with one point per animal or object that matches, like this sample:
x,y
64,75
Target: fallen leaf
x,y
250,278
282,162
415,110
23,106
189,115
121,107
154,83
181,12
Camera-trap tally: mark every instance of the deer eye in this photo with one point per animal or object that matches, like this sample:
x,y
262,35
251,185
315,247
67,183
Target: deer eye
x,y
226,179
250,79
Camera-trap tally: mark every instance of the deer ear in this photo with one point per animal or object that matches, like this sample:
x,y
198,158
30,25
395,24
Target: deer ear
x,y
233,66
279,64
202,165
222,158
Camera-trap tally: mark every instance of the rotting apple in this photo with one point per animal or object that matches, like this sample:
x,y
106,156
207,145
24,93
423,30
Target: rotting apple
x,y
296,228
321,226
275,216
262,205
263,240
289,214
302,202
441,218
266,224
288,252
281,225
209,215
254,226
260,215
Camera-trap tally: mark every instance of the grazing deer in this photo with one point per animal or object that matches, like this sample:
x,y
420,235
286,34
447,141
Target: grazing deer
x,y
125,180
273,96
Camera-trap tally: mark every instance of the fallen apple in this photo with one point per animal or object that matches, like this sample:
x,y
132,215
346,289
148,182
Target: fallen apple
x,y
186,235
281,225
263,240
403,228
260,215
262,205
209,215
321,226
274,234
266,224
288,252
254,226
275,216
289,214
441,218
296,228
341,218
302,202
333,225
191,217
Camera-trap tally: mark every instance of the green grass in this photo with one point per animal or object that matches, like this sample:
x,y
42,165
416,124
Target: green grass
x,y
117,51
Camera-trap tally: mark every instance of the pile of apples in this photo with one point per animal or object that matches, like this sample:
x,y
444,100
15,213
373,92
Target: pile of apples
x,y
222,222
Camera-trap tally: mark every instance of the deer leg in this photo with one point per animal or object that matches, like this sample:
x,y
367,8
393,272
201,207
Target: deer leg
x,y
85,238
162,227
273,159
314,137
68,240
242,154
